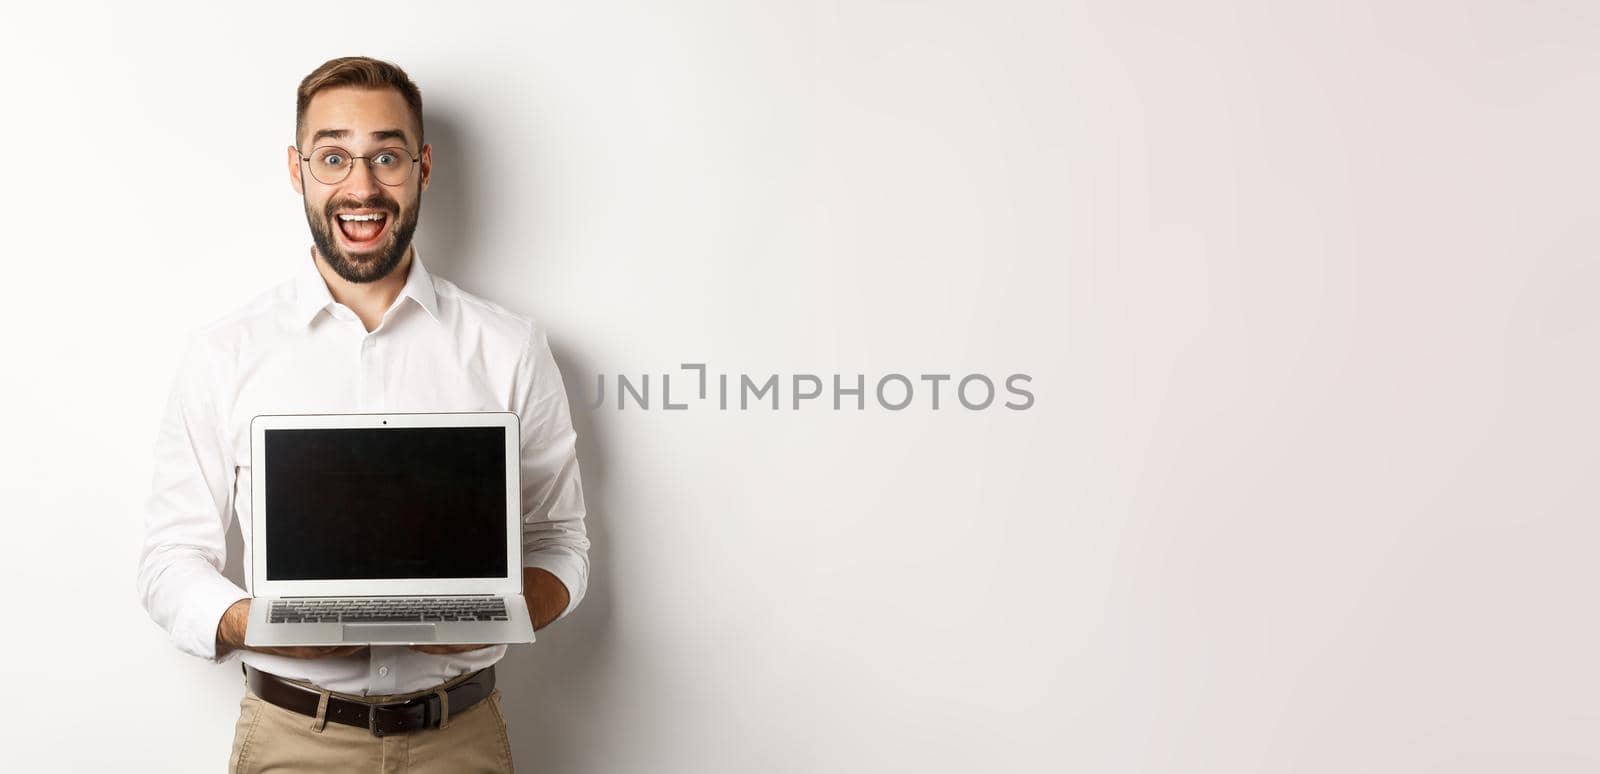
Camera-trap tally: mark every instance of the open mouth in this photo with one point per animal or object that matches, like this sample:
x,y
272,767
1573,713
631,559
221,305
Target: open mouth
x,y
361,229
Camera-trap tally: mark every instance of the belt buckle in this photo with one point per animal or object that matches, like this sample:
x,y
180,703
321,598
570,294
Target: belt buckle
x,y
372,720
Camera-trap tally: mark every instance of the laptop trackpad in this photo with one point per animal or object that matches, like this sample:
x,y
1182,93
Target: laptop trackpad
x,y
388,632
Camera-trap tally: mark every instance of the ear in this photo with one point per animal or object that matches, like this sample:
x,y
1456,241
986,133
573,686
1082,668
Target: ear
x,y
427,166
294,172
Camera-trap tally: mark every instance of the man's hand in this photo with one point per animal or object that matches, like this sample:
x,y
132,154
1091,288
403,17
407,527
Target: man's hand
x,y
441,650
230,636
311,651
547,596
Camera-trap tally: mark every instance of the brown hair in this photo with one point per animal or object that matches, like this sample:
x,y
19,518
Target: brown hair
x,y
363,73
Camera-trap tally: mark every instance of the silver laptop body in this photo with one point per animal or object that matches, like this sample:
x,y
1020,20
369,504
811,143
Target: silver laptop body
x,y
386,529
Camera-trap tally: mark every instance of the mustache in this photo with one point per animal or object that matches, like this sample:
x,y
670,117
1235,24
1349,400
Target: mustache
x,y
378,202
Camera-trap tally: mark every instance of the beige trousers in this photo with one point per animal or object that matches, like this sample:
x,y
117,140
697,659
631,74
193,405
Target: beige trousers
x,y
269,738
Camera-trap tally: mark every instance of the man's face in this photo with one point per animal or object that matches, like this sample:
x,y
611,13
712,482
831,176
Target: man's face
x,y
361,226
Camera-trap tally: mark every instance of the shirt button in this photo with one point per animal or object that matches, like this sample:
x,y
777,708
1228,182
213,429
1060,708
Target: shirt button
x,y
383,671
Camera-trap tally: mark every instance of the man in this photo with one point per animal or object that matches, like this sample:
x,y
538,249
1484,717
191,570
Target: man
x,y
361,327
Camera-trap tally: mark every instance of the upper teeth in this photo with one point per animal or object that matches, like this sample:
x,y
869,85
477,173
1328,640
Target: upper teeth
x,y
373,216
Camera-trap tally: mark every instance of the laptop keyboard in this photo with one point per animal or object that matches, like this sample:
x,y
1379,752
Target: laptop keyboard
x,y
387,610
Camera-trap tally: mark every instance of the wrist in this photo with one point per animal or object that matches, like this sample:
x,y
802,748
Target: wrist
x,y
547,596
231,629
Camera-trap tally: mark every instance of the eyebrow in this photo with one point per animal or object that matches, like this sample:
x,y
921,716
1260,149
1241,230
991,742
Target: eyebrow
x,y
339,134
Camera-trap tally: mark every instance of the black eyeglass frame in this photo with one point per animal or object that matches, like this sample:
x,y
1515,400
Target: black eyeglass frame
x,y
415,159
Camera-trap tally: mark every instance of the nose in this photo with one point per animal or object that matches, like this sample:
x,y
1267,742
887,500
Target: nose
x,y
362,181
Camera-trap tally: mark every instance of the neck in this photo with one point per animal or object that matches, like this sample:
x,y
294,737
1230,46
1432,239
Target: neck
x,y
369,300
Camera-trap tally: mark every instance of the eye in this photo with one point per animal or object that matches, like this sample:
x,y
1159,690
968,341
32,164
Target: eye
x,y
385,159
332,159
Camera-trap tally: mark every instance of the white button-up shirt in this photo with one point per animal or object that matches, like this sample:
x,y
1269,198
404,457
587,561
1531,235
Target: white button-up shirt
x,y
294,350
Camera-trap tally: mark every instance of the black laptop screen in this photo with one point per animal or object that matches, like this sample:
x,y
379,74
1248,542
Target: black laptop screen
x,y
379,503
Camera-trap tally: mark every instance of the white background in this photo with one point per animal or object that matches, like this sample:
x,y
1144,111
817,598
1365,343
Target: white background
x,y
1307,291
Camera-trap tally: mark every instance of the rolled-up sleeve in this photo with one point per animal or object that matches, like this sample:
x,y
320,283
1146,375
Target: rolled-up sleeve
x,y
180,577
553,533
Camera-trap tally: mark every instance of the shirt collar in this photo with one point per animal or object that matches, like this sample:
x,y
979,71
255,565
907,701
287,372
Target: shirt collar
x,y
312,295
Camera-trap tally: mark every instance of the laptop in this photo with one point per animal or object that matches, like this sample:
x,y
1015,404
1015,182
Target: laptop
x,y
386,529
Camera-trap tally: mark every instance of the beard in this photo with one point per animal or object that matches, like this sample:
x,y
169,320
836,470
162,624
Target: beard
x,y
370,265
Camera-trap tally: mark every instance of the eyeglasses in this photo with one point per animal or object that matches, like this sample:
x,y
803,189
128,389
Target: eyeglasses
x,y
331,164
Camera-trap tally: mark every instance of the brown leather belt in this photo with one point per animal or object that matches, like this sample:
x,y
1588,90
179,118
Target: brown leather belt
x,y
380,719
